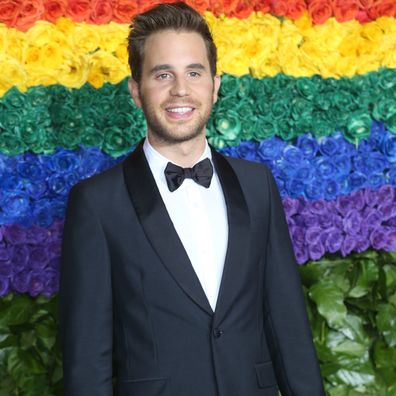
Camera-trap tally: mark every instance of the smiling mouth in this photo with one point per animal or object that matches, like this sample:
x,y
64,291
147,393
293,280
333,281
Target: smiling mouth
x,y
180,113
180,110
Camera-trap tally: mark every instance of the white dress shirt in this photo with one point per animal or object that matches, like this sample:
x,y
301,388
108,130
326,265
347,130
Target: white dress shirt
x,y
199,216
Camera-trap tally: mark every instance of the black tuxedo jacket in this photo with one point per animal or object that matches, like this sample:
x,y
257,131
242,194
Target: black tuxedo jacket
x,y
128,290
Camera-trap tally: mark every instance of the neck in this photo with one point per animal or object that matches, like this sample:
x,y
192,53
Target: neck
x,y
184,154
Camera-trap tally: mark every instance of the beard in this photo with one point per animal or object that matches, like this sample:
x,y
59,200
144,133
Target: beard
x,y
177,132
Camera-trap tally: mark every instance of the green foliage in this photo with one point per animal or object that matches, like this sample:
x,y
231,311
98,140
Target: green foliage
x,y
351,304
352,308
30,361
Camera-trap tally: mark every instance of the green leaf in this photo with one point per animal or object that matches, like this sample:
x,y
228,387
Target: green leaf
x,y
390,276
18,312
330,302
367,274
386,322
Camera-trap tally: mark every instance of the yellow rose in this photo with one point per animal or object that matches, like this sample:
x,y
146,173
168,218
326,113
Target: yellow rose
x,y
113,35
12,43
106,64
74,70
86,38
12,74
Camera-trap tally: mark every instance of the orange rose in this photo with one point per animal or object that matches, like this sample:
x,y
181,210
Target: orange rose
x,y
217,7
242,9
54,9
229,6
79,10
279,7
29,12
295,9
200,5
124,10
362,16
9,10
320,10
263,6
365,4
101,11
145,5
345,10
382,8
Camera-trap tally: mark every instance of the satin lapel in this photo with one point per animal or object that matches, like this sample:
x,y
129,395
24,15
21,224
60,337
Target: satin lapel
x,y
238,236
158,226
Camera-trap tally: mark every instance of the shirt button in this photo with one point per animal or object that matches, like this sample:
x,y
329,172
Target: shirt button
x,y
218,333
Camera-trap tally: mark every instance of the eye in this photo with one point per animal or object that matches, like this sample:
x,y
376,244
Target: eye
x,y
194,74
163,76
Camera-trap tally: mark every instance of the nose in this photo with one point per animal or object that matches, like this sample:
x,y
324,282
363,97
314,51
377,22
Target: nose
x,y
180,87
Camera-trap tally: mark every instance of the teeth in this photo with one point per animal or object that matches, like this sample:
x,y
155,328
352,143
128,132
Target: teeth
x,y
180,109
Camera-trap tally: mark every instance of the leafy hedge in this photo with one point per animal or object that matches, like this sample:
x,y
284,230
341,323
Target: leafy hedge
x,y
351,305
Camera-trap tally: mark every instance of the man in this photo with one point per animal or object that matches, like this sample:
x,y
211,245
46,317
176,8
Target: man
x,y
178,261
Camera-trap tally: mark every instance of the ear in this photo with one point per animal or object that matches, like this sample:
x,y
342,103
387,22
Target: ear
x,y
134,91
216,87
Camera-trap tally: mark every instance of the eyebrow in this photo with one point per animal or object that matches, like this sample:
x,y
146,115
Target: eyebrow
x,y
166,66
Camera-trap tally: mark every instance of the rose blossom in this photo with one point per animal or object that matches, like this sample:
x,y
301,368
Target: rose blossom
x,y
29,12
54,9
319,10
101,11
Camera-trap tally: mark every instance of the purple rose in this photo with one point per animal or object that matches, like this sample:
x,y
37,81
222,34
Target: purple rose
x,y
290,206
352,222
378,239
357,198
14,234
372,217
5,269
20,281
316,250
312,235
319,207
386,195
362,244
39,257
390,244
333,239
297,235
37,283
54,264
4,286
20,257
348,245
51,283
36,235
54,249
301,254
326,219
344,204
387,210
370,197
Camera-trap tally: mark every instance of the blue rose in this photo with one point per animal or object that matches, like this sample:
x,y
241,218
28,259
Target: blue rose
x,y
295,187
58,184
325,167
271,149
343,163
42,214
331,189
387,146
31,169
308,145
293,155
63,161
329,146
314,190
376,162
306,172
356,180
247,150
15,206
92,160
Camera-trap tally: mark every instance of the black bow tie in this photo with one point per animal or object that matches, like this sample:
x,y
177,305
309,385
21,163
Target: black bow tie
x,y
201,173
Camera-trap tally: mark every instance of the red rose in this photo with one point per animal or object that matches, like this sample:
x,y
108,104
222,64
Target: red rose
x,y
102,11
263,6
345,10
54,9
9,11
295,9
229,6
79,10
365,4
200,5
362,16
124,10
279,7
145,5
382,8
320,10
29,12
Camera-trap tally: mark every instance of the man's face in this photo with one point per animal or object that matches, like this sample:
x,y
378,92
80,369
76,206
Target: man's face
x,y
177,90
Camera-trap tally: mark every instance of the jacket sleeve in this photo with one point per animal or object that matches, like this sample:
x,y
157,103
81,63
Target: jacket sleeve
x,y
286,323
85,301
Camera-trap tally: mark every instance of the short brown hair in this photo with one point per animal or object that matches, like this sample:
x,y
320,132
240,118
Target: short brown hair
x,y
173,16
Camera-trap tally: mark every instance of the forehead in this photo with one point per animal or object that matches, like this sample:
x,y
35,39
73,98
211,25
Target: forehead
x,y
174,48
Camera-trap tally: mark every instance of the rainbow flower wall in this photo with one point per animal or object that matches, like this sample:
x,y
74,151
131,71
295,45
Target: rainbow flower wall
x,y
308,88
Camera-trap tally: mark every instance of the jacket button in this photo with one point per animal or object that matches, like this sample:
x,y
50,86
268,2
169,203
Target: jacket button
x,y
218,333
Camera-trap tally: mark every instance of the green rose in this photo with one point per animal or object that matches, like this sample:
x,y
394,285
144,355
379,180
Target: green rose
x,y
229,86
228,125
306,87
116,142
358,127
384,109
